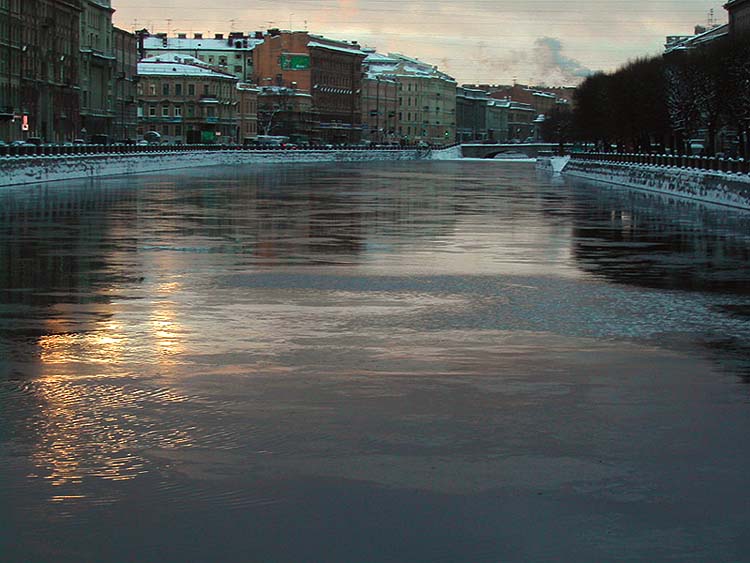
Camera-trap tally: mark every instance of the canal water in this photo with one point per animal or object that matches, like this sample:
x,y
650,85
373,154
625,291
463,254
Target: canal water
x,y
385,362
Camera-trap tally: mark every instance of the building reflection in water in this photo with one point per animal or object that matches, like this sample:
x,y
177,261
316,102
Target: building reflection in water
x,y
657,241
96,275
664,243
110,292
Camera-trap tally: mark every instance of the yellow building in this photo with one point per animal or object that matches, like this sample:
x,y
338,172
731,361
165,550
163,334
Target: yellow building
x,y
426,105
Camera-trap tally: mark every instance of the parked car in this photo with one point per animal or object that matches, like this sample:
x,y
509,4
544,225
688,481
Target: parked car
x,y
36,141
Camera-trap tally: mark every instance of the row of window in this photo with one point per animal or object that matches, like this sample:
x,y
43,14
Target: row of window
x,y
176,111
180,89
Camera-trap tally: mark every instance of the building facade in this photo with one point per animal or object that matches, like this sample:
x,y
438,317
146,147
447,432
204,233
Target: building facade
x,y
125,77
247,112
329,71
427,102
379,101
426,106
471,114
288,112
521,118
97,60
379,109
739,16
186,101
232,53
497,120
39,69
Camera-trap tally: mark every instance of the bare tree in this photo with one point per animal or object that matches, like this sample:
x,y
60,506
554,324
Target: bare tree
x,y
273,101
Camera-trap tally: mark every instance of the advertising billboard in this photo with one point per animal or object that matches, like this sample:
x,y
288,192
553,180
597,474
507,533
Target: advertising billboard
x,y
290,61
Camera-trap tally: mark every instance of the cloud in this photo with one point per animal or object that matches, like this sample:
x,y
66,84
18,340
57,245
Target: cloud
x,y
553,66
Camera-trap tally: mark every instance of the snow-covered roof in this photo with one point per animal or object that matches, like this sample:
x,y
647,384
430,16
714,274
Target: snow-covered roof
x,y
396,65
353,50
178,65
155,43
699,39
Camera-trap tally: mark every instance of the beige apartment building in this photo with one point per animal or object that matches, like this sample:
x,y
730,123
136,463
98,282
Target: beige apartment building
x,y
186,101
426,106
247,112
379,102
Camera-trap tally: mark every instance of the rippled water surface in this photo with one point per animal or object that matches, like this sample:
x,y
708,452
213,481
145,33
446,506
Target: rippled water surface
x,y
410,362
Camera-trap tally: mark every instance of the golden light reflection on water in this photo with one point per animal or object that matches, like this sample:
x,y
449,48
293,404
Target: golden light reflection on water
x,y
93,430
105,345
86,425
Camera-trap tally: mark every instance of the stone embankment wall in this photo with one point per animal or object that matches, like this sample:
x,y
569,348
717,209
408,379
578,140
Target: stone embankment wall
x,y
32,170
720,188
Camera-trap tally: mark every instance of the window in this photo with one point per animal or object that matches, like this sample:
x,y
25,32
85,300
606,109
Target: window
x,y
191,111
165,89
165,129
237,68
191,89
178,129
205,89
152,89
178,89
152,111
178,111
165,111
140,111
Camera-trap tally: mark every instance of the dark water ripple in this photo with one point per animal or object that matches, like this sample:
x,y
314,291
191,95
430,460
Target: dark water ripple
x,y
423,362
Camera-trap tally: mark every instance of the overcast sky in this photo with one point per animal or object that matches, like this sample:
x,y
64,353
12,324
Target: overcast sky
x,y
533,41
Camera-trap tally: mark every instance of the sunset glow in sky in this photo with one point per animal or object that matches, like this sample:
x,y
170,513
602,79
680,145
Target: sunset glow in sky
x,y
496,41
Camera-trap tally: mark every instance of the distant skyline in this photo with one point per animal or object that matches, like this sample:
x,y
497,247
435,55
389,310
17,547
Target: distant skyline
x,y
476,41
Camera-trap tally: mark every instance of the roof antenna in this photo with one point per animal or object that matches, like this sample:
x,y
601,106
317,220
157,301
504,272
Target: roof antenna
x,y
711,19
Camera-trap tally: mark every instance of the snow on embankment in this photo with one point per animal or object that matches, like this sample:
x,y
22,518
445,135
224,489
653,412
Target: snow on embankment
x,y
708,186
32,170
451,153
554,164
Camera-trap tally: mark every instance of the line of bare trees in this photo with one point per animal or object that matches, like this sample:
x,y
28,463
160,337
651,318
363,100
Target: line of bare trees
x,y
670,101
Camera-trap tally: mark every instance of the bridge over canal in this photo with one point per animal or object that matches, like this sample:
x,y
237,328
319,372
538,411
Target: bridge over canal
x,y
531,150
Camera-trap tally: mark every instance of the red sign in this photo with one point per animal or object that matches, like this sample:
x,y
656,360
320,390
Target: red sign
x,y
25,123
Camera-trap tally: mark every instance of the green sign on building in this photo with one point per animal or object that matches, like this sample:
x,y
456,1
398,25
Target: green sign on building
x,y
295,62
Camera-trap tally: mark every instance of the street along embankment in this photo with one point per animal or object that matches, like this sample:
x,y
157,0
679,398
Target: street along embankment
x,y
33,170
725,184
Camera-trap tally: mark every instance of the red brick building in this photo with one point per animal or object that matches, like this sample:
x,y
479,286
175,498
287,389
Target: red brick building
x,y
329,70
